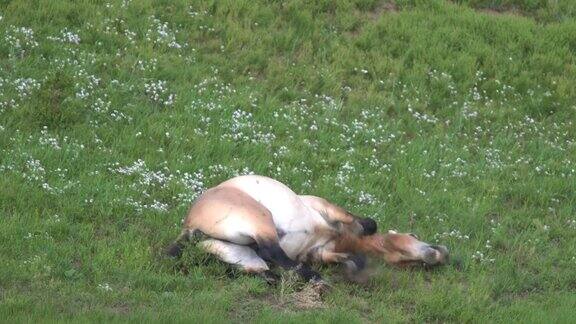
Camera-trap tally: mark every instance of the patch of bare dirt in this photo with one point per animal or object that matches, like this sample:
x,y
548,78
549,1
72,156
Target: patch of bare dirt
x,y
309,297
385,6
120,308
382,7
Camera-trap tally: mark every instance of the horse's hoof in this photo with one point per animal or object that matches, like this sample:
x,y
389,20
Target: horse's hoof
x,y
270,277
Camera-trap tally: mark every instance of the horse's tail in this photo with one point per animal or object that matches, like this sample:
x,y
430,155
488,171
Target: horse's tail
x,y
175,249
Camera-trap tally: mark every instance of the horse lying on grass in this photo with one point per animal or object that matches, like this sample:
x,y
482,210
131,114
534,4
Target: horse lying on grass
x,y
250,221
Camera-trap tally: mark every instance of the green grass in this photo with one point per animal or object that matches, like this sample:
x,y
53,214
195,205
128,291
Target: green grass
x,y
431,116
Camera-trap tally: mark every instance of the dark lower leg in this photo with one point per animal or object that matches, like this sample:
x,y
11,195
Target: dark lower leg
x,y
355,263
272,252
369,225
270,277
355,268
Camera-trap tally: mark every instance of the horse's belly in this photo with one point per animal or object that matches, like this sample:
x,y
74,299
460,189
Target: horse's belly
x,y
299,245
295,244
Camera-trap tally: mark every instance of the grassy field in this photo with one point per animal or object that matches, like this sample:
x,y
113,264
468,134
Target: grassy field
x,y
452,120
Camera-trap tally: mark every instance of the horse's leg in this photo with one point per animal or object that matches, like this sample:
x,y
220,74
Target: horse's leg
x,y
336,214
271,251
353,262
241,256
254,260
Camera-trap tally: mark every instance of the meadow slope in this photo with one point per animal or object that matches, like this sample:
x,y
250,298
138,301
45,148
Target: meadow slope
x,y
454,120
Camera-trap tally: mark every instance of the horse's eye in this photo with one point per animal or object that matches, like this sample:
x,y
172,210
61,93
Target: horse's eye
x,y
413,235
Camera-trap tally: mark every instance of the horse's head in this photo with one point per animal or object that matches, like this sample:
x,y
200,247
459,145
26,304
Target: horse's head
x,y
407,250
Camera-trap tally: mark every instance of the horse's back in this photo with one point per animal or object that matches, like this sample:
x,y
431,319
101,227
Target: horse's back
x,y
287,209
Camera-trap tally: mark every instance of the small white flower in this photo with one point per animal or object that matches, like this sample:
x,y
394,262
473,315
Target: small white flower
x,y
21,40
105,287
157,91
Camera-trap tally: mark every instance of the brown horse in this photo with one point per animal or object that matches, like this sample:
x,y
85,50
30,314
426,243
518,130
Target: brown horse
x,y
250,220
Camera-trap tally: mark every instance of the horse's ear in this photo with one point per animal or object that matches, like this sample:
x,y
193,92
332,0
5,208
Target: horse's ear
x,y
369,226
